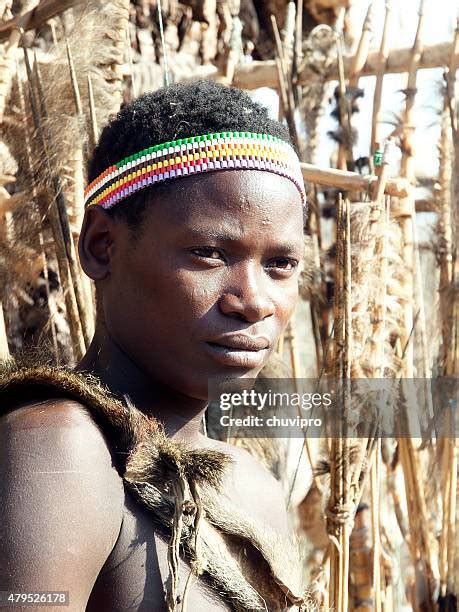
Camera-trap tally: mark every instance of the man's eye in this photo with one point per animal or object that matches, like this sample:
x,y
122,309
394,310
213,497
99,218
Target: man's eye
x,y
207,252
283,263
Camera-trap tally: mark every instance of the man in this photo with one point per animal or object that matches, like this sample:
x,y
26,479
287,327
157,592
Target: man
x,y
194,245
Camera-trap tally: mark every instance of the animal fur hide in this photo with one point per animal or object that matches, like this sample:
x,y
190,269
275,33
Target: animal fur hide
x,y
166,476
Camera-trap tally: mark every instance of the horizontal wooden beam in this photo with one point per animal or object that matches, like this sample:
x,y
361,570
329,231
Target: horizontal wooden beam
x,y
254,75
352,181
37,16
434,56
426,206
264,73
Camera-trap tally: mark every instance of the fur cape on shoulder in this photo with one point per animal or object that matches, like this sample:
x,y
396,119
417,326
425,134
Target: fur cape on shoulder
x,y
179,486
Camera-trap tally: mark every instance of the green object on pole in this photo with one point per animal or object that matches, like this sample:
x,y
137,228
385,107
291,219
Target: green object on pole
x,y
377,157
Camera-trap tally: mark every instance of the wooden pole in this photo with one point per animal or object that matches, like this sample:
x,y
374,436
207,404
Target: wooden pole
x,y
379,330
346,95
341,507
4,350
345,155
375,141
290,337
360,57
285,83
94,130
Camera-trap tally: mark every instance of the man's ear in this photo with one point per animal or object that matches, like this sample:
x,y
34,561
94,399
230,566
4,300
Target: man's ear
x,y
95,243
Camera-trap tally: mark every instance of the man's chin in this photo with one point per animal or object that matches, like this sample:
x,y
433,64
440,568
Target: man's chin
x,y
233,380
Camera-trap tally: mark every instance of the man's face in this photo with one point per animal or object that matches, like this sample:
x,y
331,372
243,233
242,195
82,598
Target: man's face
x,y
208,287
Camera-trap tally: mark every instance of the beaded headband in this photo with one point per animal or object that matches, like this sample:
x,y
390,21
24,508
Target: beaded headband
x,y
190,156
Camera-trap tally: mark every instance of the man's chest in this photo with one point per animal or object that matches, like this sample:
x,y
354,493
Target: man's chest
x,y
135,572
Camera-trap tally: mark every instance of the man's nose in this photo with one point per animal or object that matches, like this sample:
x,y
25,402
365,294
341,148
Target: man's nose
x,y
247,296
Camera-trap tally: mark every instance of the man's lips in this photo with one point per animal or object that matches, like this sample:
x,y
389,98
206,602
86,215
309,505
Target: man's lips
x,y
242,342
239,350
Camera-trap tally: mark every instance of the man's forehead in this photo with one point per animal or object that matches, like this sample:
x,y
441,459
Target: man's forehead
x,y
249,192
230,204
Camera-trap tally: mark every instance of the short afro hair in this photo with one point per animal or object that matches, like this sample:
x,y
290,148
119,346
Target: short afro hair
x,y
177,111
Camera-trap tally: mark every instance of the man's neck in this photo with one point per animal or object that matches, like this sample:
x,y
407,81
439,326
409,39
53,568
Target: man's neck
x,y
181,415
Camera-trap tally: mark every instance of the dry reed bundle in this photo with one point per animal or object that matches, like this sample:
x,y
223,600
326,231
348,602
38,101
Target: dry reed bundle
x,y
421,541
56,111
448,226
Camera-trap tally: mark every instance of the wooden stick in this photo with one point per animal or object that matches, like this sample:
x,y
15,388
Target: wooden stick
x,y
319,314
380,71
450,78
339,517
348,352
37,17
407,166
375,523
338,315
295,361
283,102
345,153
280,346
94,131
4,350
286,84
419,303
450,502
353,181
298,55
135,91
288,32
360,57
444,231
74,81
379,330
346,376
51,305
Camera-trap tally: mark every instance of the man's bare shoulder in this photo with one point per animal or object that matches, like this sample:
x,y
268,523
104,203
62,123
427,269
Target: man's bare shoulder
x,y
59,436
252,487
62,499
60,412
64,429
